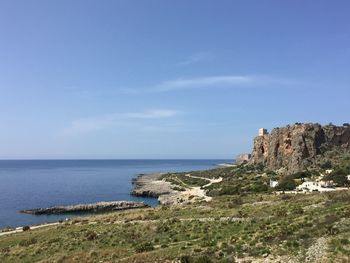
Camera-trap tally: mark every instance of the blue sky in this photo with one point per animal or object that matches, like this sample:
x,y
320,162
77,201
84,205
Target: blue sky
x,y
166,79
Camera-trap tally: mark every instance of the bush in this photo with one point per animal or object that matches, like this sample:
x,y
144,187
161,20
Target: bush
x,y
237,201
27,242
259,187
326,165
186,259
91,235
144,247
229,190
339,177
286,183
344,241
303,174
190,259
26,228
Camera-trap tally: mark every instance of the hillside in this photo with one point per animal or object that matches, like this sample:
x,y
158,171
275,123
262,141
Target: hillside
x,y
249,228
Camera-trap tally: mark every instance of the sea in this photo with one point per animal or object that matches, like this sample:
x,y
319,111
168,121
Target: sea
x,y
28,184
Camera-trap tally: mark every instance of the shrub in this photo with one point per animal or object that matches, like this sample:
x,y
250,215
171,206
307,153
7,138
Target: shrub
x,y
237,200
286,183
186,259
179,188
144,247
285,197
229,190
26,228
298,210
91,235
27,242
303,174
259,187
339,176
190,259
326,165
344,241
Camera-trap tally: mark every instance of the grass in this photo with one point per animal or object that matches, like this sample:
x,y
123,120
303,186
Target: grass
x,y
227,228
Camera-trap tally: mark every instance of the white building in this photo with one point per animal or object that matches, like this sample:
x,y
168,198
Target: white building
x,y
273,184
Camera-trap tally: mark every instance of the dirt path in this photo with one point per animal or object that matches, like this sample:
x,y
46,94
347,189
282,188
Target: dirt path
x,y
20,229
199,191
145,221
317,251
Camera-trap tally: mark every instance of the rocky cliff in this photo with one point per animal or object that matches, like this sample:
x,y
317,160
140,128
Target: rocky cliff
x,y
296,147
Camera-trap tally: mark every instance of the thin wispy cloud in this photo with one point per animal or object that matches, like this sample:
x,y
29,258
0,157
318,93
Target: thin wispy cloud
x,y
197,58
86,125
203,82
227,81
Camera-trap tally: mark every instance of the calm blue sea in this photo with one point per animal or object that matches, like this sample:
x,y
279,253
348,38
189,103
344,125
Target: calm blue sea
x,y
42,183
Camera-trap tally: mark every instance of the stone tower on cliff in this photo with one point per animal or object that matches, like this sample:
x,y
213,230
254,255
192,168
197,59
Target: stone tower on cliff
x,y
262,132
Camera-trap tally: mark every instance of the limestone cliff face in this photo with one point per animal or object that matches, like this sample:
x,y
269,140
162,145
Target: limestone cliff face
x,y
296,147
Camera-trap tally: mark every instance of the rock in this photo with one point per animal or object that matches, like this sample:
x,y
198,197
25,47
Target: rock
x,y
296,147
95,207
150,185
242,158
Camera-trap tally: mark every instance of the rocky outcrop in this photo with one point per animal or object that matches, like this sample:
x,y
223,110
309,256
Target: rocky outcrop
x,y
150,185
242,158
296,147
88,208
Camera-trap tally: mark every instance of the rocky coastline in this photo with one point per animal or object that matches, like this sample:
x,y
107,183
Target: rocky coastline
x,y
90,208
150,185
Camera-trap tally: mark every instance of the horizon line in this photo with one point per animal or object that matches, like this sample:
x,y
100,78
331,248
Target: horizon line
x,y
109,159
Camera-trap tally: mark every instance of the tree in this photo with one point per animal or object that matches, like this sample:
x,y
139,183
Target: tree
x,y
303,174
326,165
339,177
286,183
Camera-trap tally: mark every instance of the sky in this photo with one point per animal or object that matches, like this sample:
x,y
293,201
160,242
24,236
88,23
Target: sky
x,y
166,79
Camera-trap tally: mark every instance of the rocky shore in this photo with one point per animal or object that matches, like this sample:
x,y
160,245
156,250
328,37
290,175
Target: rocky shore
x,y
151,185
91,208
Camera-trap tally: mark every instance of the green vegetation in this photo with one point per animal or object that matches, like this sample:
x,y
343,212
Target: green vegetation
x,y
26,228
228,228
339,177
242,179
340,172
286,183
